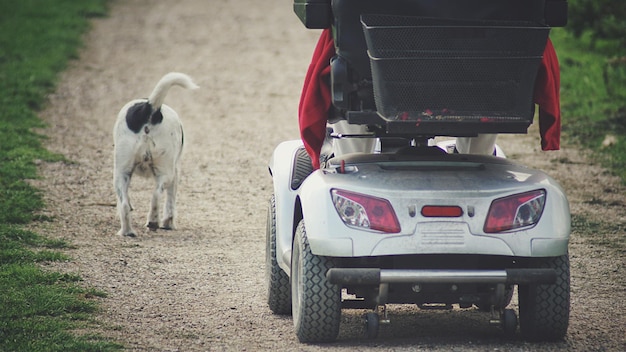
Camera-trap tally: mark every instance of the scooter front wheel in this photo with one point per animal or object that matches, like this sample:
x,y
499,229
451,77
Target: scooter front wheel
x,y
278,289
316,303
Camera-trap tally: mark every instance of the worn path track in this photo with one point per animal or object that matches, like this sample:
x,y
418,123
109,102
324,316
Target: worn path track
x,y
202,286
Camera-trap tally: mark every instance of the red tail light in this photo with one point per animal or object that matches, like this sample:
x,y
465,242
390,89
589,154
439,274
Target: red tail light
x,y
365,211
516,211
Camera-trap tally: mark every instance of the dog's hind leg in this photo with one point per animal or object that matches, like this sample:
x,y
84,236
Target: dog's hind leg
x,y
169,211
122,182
153,215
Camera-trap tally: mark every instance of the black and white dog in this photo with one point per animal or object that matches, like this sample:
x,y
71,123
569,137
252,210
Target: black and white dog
x,y
148,138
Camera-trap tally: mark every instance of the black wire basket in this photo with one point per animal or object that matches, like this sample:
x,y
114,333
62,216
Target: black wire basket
x,y
453,70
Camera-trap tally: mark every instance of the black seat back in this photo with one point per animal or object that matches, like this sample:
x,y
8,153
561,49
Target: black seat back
x,y
348,32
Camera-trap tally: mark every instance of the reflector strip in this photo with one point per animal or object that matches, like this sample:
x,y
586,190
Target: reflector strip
x,y
442,211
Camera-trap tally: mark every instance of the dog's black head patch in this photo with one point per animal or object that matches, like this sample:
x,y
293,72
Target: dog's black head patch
x,y
140,114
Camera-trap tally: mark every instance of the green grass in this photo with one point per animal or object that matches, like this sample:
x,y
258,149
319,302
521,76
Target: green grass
x,y
40,310
593,96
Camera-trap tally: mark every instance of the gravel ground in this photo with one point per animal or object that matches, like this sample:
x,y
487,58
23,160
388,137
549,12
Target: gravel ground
x,y
202,286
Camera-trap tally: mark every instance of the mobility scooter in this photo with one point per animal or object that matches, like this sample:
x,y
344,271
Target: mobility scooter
x,y
416,221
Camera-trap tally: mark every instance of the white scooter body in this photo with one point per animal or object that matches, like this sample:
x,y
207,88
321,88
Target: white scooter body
x,y
471,182
454,252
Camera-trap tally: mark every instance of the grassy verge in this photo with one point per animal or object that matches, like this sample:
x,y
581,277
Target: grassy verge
x,y
607,234
593,96
39,310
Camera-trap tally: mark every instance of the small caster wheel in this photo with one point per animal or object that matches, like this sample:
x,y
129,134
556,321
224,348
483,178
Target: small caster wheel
x,y
508,321
372,323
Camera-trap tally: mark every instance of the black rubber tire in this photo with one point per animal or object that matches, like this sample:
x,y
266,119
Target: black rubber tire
x,y
278,287
316,304
509,322
544,309
372,325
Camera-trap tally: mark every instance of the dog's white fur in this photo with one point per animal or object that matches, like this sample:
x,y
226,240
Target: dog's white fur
x,y
149,146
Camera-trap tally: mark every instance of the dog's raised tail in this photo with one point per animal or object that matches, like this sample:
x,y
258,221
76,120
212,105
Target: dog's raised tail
x,y
171,79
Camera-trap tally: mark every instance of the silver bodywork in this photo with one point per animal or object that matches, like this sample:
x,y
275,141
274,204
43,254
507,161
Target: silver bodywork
x,y
408,183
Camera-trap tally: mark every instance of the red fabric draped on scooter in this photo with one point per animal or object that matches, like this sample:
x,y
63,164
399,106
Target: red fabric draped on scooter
x,y
547,97
315,100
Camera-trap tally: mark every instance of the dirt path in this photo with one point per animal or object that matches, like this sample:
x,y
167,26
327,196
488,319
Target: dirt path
x,y
202,287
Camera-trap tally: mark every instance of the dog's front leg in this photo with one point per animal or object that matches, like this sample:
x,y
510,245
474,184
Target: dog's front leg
x,y
122,181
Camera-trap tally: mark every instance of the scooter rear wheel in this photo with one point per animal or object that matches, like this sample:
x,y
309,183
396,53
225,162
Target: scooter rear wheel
x,y
544,309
